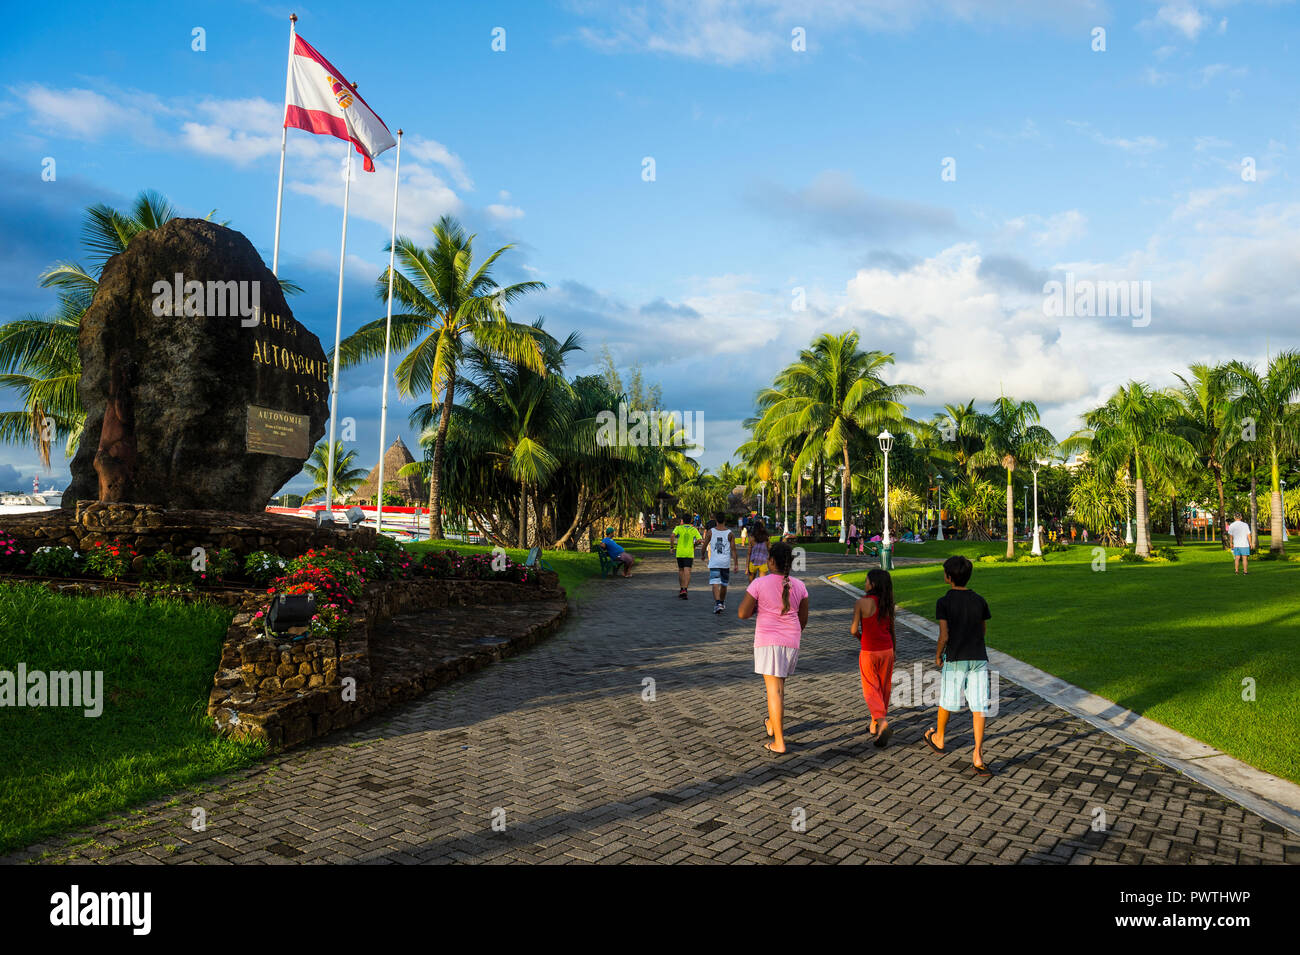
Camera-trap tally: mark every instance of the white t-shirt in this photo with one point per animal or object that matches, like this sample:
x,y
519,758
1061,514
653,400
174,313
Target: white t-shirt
x,y
1239,531
719,547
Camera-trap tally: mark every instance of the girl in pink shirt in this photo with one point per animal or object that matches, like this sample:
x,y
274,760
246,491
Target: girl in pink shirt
x,y
781,602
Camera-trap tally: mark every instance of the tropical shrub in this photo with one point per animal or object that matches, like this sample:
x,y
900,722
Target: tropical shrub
x,y
169,568
12,556
262,567
110,559
55,561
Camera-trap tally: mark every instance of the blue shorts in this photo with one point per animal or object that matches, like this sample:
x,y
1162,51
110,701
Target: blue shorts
x,y
968,678
1241,552
720,576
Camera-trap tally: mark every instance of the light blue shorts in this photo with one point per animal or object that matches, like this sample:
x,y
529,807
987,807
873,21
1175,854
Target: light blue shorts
x,y
1241,552
968,678
721,576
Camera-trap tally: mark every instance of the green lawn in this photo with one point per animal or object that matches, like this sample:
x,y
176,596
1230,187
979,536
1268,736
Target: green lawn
x,y
1172,641
60,769
577,570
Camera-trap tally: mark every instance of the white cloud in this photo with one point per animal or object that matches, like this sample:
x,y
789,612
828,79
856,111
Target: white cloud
x,y
504,213
1183,17
92,114
730,32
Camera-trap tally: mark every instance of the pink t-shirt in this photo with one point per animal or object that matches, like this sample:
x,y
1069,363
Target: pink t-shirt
x,y
773,627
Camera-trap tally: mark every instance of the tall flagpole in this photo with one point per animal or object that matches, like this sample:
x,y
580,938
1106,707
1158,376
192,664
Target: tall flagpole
x,y
279,192
388,338
338,336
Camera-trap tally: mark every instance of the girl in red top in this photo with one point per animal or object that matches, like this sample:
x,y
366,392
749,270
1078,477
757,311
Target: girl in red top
x,y
873,622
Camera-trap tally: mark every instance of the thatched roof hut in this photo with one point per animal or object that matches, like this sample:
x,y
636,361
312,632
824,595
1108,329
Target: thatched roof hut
x,y
409,489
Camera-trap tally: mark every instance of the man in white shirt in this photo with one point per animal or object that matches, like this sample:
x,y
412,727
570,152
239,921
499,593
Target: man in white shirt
x,y
720,547
1242,538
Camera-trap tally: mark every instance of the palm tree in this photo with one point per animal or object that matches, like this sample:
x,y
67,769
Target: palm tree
x,y
1267,410
520,418
446,301
1134,432
38,358
346,477
831,396
965,441
1204,399
1012,436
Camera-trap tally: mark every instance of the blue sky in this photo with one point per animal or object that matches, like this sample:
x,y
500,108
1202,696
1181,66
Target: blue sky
x,y
776,170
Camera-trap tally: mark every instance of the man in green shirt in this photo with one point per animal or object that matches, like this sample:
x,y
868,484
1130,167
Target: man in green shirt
x,y
687,536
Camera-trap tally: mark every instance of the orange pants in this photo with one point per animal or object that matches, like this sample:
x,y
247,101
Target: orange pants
x,y
876,667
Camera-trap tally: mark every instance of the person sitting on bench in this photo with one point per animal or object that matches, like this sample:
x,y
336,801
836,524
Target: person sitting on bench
x,y
617,554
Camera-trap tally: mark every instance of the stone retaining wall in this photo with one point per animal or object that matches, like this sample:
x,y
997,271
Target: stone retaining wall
x,y
149,528
286,692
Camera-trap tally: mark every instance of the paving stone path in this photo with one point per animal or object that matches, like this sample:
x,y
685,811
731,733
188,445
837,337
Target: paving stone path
x,y
559,745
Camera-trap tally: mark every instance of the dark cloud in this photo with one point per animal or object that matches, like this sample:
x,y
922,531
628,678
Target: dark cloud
x,y
662,307
11,479
832,206
891,261
1008,271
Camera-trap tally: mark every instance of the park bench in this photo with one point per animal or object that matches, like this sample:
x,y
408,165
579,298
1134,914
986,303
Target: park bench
x,y
606,562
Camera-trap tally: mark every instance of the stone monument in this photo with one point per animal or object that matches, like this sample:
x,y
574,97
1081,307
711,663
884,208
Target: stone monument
x,y
201,390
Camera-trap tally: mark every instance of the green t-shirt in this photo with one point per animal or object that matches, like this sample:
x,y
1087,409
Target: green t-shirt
x,y
686,535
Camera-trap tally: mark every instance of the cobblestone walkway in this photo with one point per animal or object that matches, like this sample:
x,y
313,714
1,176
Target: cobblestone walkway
x,y
559,746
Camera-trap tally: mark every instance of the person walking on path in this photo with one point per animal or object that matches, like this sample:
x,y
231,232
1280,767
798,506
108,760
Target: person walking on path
x,y
756,560
962,616
781,603
687,537
1242,539
724,557
873,622
852,542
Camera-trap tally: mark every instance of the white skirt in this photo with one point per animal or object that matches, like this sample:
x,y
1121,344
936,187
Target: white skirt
x,y
775,660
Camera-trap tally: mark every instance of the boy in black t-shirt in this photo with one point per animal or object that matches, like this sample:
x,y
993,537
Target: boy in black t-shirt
x,y
960,653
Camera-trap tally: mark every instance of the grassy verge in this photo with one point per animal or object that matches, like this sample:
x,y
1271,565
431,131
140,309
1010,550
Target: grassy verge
x,y
576,569
60,769
1176,642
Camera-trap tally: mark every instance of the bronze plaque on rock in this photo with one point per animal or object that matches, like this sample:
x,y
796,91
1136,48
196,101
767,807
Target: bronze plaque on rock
x,y
278,432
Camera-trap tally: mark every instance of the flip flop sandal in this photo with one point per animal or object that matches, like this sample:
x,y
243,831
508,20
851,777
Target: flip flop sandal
x,y
981,770
882,740
772,752
930,743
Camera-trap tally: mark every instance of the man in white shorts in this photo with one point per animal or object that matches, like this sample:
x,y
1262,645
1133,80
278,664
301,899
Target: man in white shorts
x,y
1242,539
720,546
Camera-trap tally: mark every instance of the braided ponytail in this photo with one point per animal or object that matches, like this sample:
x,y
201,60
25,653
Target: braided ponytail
x,y
783,556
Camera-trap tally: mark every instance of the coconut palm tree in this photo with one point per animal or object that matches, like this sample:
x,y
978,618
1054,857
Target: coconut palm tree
x,y
346,477
1266,411
447,303
1204,398
1012,437
1135,432
831,396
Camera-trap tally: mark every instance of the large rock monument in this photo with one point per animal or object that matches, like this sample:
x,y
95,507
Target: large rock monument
x,y
201,390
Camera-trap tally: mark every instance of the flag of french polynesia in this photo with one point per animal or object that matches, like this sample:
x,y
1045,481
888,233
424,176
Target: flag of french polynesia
x,y
320,100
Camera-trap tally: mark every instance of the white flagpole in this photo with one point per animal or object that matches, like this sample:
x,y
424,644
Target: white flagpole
x,y
279,192
338,336
388,337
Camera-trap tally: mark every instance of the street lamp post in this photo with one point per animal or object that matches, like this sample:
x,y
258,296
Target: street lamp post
x,y
785,505
1128,524
886,547
1037,549
939,536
